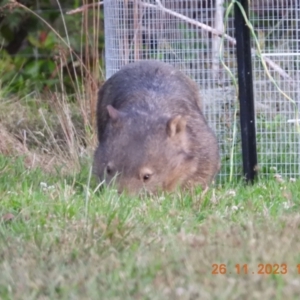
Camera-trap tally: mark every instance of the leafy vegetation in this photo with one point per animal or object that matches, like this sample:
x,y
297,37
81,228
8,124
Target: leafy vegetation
x,y
40,46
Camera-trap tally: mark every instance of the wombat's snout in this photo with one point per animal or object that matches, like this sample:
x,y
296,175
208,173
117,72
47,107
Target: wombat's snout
x,y
128,186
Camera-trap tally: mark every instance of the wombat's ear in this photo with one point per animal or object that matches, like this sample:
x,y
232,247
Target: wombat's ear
x,y
113,113
176,125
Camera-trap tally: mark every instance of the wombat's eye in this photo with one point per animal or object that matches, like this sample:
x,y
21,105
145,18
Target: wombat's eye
x,y
108,169
145,174
146,177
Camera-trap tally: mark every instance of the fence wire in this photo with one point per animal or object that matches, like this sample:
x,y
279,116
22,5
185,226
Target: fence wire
x,y
182,33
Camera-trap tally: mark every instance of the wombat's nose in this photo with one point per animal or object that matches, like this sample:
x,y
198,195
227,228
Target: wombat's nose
x,y
128,189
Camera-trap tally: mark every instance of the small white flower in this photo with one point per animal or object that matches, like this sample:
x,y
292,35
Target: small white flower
x,y
231,193
43,185
234,208
287,205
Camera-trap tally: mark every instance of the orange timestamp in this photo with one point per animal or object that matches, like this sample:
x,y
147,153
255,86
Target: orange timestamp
x,y
262,269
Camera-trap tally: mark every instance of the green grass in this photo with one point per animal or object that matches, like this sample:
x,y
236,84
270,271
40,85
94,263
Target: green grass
x,y
65,241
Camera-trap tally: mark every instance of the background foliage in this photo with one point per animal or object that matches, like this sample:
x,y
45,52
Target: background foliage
x,y
33,57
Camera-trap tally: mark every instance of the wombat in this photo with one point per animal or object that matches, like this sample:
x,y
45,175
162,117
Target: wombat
x,y
151,130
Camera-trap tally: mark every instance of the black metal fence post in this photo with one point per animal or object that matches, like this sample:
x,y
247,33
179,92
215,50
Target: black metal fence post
x,y
245,81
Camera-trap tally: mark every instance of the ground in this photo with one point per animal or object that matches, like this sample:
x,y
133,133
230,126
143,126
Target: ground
x,y
63,238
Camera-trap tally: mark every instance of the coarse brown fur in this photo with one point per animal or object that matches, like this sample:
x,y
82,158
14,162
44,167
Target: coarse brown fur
x,y
152,133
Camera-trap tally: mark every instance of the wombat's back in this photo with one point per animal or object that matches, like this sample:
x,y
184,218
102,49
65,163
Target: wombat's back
x,y
151,86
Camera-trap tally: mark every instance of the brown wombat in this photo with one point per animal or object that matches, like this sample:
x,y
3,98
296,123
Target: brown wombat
x,y
152,133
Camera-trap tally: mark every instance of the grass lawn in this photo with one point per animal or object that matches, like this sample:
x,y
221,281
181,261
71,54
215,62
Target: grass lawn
x,y
61,239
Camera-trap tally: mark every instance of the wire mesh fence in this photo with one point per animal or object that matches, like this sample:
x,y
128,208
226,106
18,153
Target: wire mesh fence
x,y
198,38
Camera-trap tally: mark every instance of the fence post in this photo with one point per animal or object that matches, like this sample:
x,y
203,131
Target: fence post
x,y
245,81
